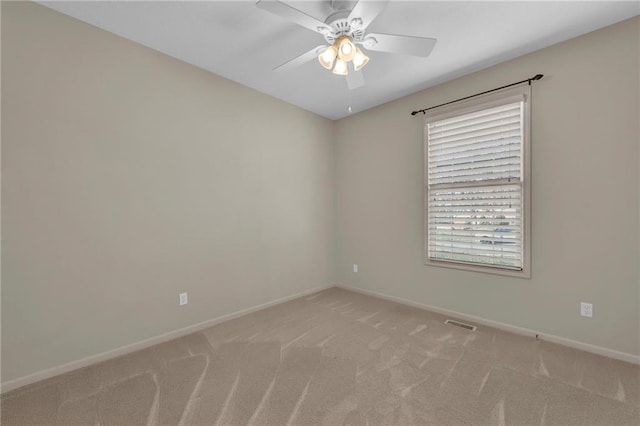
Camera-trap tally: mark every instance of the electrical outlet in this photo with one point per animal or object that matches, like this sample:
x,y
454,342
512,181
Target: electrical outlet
x,y
183,299
355,267
586,309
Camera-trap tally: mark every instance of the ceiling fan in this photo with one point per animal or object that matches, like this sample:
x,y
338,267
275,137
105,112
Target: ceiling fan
x,y
343,31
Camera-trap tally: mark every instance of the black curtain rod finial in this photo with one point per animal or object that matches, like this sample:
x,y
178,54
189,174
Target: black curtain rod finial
x,y
535,77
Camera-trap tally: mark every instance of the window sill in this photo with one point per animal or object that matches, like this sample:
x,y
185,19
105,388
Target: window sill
x,y
479,268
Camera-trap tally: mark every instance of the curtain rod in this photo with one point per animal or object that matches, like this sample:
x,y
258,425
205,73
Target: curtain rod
x,y
528,80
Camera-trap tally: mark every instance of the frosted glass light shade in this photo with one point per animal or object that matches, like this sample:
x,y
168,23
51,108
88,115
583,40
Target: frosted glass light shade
x,y
327,57
359,60
341,67
346,49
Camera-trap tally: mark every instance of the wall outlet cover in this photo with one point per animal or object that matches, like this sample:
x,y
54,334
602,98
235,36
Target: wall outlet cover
x,y
586,309
355,267
184,299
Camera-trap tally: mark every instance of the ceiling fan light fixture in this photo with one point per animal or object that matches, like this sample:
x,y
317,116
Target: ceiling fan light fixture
x,y
359,60
344,31
341,67
327,57
346,48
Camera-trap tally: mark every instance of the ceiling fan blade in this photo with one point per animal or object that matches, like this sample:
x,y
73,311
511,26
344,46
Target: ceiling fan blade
x,y
367,11
355,79
300,59
293,15
404,45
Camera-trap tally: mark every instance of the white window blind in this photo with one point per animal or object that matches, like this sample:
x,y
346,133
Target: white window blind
x,y
475,187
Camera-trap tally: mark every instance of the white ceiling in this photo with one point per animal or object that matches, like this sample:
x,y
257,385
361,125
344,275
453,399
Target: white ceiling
x,y
241,42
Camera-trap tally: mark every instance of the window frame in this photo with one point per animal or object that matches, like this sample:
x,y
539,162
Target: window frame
x,y
505,96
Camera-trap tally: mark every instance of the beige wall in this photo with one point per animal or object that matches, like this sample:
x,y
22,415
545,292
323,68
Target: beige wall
x,y
585,196
129,176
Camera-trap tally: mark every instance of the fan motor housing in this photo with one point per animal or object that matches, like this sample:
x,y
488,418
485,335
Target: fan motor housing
x,y
341,26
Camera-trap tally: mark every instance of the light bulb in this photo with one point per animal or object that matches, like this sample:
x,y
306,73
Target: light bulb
x,y
346,48
341,67
327,57
359,60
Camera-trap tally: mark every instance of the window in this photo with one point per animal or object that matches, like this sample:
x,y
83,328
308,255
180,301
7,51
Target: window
x,y
477,184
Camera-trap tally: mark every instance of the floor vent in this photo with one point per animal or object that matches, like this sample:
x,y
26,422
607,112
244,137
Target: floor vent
x,y
461,324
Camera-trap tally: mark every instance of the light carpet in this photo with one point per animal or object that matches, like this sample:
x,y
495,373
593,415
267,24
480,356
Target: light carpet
x,y
339,358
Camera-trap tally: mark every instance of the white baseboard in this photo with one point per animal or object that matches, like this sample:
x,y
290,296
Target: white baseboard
x,y
123,350
587,347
